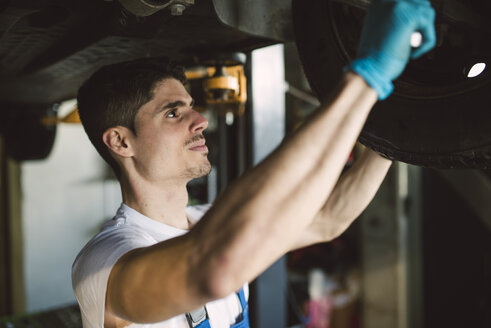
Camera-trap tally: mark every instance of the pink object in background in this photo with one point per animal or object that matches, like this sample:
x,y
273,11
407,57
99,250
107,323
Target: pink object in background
x,y
320,311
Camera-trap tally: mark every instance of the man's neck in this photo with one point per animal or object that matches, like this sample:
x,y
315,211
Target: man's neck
x,y
165,203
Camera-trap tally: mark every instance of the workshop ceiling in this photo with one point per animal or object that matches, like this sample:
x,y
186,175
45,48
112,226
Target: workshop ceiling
x,y
437,116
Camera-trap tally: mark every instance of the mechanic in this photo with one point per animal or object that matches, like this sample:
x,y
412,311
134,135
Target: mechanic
x,y
158,262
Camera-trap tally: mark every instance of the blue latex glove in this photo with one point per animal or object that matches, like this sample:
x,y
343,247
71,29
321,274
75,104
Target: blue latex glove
x,y
384,48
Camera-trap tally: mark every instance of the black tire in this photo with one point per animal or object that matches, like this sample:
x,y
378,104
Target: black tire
x,y
27,138
436,117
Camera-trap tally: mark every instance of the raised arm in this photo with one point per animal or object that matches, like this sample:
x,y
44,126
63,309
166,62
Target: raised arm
x,y
351,195
251,224
257,218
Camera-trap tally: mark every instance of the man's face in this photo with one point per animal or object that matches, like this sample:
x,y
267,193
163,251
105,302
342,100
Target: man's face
x,y
169,144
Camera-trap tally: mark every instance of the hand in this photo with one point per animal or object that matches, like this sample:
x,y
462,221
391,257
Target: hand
x,y
384,48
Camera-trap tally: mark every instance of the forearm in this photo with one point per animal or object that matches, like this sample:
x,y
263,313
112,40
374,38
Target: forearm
x,y
356,190
351,195
254,222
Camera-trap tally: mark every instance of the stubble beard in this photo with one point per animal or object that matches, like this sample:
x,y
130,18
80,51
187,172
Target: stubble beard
x,y
199,170
202,169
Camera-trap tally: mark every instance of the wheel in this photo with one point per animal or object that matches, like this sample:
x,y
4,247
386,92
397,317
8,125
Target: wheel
x,y
26,136
437,116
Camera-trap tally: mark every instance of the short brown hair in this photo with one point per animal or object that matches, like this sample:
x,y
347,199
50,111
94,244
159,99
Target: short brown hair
x,y
113,95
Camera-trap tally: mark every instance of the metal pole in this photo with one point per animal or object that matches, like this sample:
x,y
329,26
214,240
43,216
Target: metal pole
x,y
268,117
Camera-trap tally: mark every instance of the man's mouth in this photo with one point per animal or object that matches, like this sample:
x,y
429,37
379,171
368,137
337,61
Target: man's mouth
x,y
197,143
199,148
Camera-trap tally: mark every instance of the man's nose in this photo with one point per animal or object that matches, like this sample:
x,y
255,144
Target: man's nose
x,y
198,122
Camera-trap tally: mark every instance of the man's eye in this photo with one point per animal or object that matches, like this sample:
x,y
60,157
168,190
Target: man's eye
x,y
172,113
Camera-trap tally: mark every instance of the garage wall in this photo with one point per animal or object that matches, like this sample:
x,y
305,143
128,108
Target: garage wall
x,y
65,199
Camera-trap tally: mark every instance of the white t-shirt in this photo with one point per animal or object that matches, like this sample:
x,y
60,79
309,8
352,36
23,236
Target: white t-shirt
x,y
126,231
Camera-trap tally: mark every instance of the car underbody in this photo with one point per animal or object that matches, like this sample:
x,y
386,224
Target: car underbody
x,y
437,116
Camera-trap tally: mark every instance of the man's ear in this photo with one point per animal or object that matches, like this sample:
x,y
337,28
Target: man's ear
x,y
117,139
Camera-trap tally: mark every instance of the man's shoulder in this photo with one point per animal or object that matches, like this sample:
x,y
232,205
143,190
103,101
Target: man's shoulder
x,y
93,264
104,249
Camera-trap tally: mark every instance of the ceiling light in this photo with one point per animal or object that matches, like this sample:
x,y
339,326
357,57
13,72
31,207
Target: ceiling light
x,y
476,69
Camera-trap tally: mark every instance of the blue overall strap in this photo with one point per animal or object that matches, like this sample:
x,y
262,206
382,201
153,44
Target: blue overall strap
x,y
243,321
